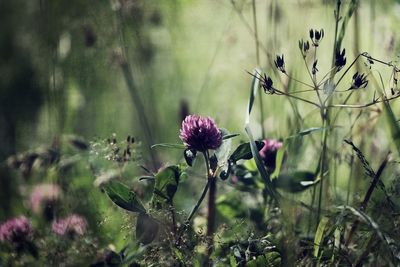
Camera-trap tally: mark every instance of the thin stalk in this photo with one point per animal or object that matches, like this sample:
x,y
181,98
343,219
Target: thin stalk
x,y
296,97
349,181
203,194
134,94
140,111
309,72
364,105
325,116
367,197
323,164
296,80
256,33
211,218
314,191
257,44
328,74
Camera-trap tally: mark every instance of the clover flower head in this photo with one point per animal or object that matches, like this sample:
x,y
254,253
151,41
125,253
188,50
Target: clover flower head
x,y
73,224
200,133
16,230
43,194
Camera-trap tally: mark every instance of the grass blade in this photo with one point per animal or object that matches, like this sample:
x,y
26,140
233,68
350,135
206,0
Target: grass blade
x,y
319,235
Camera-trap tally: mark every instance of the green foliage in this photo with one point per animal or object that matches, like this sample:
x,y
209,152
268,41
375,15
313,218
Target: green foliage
x,y
166,185
243,151
123,197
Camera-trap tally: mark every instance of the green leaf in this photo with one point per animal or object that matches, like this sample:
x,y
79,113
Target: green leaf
x,y
146,228
169,145
243,151
255,84
319,235
123,197
260,166
229,136
296,181
166,185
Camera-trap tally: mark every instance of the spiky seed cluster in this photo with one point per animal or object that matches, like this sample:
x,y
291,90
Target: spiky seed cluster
x,y
16,230
359,81
280,63
316,36
340,59
266,83
269,151
304,47
200,133
73,224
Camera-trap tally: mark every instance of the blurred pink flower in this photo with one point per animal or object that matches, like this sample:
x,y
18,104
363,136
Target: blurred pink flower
x,y
16,230
42,194
269,151
73,224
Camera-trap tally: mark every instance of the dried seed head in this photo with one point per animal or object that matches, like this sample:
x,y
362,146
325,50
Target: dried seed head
x,y
340,59
280,63
316,36
266,83
359,81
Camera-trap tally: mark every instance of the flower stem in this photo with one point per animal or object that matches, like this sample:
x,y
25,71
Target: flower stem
x,y
211,215
195,208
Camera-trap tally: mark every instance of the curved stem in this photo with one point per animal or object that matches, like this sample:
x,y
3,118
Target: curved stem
x,y
296,80
296,97
205,190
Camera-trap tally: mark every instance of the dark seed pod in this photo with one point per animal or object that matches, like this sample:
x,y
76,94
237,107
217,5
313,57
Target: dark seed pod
x,y
266,84
280,63
225,174
213,163
190,155
340,59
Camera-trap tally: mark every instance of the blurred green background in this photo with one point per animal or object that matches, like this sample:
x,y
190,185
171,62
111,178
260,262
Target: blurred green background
x,y
61,62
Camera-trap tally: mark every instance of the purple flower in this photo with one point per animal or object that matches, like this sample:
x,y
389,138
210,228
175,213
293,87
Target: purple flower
x,y
200,133
268,152
73,224
43,195
16,230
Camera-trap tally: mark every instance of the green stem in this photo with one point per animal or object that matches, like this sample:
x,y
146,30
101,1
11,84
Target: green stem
x,y
349,181
134,93
260,99
325,116
195,208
